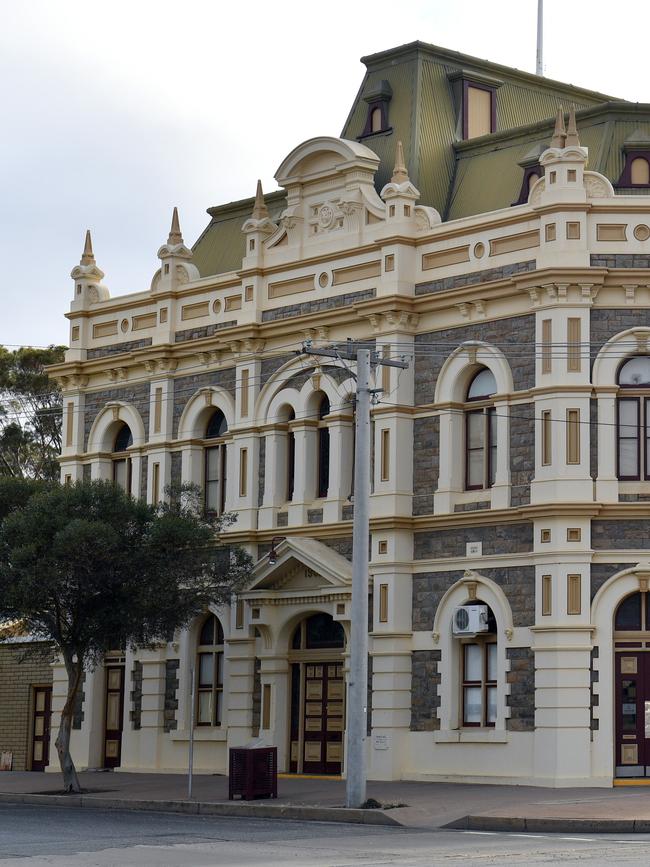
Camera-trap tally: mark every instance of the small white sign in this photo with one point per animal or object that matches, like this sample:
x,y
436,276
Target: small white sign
x,y
381,742
474,549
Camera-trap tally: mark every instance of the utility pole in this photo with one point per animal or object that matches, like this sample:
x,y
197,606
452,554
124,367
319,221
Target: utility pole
x,y
357,710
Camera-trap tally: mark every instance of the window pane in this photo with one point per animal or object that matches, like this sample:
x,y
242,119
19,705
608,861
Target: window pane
x,y
628,613
491,710
635,372
219,697
204,716
472,705
219,669
206,672
492,443
628,458
475,430
491,650
475,469
212,498
120,474
473,659
212,463
483,385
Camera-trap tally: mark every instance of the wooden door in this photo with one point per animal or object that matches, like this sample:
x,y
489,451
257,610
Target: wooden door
x,y
41,727
323,718
114,716
632,714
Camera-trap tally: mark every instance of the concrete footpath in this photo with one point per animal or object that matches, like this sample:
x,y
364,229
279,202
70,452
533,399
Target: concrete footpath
x,y
411,804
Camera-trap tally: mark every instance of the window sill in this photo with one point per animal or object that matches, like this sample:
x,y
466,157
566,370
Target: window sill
x,y
201,734
471,736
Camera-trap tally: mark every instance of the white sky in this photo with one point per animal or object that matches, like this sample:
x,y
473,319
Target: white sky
x,y
113,112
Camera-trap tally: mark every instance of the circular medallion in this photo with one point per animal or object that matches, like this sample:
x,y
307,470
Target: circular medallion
x,y
216,306
479,250
323,279
124,325
642,232
326,216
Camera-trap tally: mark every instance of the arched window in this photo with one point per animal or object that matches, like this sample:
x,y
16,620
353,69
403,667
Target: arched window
x,y
320,631
640,171
376,120
480,432
633,449
121,461
479,675
533,177
215,463
323,481
291,458
209,666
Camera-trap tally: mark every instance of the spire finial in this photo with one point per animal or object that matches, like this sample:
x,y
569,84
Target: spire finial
x,y
175,236
559,133
260,211
572,129
400,174
87,257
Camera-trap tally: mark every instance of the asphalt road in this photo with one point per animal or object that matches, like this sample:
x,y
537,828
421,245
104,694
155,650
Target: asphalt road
x,y
68,837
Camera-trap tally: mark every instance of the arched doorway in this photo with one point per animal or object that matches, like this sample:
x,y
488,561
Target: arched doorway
x,y
632,685
317,721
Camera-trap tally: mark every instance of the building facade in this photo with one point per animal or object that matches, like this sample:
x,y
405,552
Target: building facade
x,y
458,225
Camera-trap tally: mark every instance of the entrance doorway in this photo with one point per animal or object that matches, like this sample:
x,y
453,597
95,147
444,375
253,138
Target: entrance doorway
x,y
114,716
317,697
632,686
41,727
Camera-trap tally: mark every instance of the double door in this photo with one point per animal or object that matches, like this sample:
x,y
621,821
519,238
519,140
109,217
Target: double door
x,y
632,714
317,718
41,727
114,716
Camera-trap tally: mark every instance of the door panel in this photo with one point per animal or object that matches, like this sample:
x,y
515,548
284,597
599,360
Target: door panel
x,y
41,727
114,716
323,718
632,710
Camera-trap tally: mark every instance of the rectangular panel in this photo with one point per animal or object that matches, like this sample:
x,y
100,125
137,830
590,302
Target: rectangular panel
x,y
294,751
547,355
105,329
574,602
195,311
145,320
157,410
628,706
310,671
335,708
334,752
547,594
40,701
312,751
629,754
366,271
385,455
573,436
318,671
611,231
332,671
313,708
243,471
266,706
454,256
574,346
69,418
313,724
112,749
39,726
511,243
479,112
547,437
314,689
113,711
291,287
334,724
628,665
245,376
38,751
335,690
383,603
232,302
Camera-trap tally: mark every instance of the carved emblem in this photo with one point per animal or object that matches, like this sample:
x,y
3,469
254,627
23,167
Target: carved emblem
x,y
326,216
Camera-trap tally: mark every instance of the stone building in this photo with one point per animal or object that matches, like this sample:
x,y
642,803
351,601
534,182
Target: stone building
x,y
459,225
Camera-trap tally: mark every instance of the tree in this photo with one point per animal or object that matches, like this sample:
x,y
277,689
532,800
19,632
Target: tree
x,y
30,413
88,568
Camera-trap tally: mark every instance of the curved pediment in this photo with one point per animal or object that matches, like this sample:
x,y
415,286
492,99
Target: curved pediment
x,y
323,156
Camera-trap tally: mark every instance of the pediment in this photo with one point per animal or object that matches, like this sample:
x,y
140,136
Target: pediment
x,y
302,565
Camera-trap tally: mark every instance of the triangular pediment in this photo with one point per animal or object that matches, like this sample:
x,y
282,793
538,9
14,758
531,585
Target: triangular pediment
x,y
301,565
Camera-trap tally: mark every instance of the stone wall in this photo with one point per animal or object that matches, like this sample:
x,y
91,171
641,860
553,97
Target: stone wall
x,y
522,453
16,680
601,572
117,348
171,688
257,698
144,470
425,700
137,395
496,539
517,582
426,456
202,331
593,438
341,546
185,387
605,322
261,472
521,700
433,348
318,306
620,534
474,278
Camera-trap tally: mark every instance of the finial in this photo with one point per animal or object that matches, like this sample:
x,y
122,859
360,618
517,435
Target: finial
x,y
87,257
175,236
260,211
559,133
572,130
400,174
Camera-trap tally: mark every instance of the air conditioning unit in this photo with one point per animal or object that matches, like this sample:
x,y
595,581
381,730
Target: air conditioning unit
x,y
470,620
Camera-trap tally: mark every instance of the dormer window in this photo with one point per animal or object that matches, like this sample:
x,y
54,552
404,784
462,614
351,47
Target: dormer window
x,y
476,100
636,168
378,99
532,172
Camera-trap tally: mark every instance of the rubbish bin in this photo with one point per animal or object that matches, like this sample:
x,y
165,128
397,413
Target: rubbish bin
x,y
253,773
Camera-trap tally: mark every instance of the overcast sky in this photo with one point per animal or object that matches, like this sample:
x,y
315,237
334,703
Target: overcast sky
x,y
114,112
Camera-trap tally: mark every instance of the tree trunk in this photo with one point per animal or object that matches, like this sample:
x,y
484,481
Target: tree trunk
x,y
62,743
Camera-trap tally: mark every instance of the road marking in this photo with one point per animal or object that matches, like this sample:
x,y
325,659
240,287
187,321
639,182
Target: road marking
x,y
580,839
531,836
482,833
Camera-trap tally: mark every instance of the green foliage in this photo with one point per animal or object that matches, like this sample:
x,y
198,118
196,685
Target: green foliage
x,y
91,569
30,413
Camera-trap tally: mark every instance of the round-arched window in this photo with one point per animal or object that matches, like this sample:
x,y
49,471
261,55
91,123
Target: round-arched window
x,y
635,372
215,468
319,631
217,425
482,386
633,419
210,673
480,433
123,439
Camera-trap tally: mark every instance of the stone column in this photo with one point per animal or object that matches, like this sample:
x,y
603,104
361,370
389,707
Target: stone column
x,y
275,475
274,673
306,469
